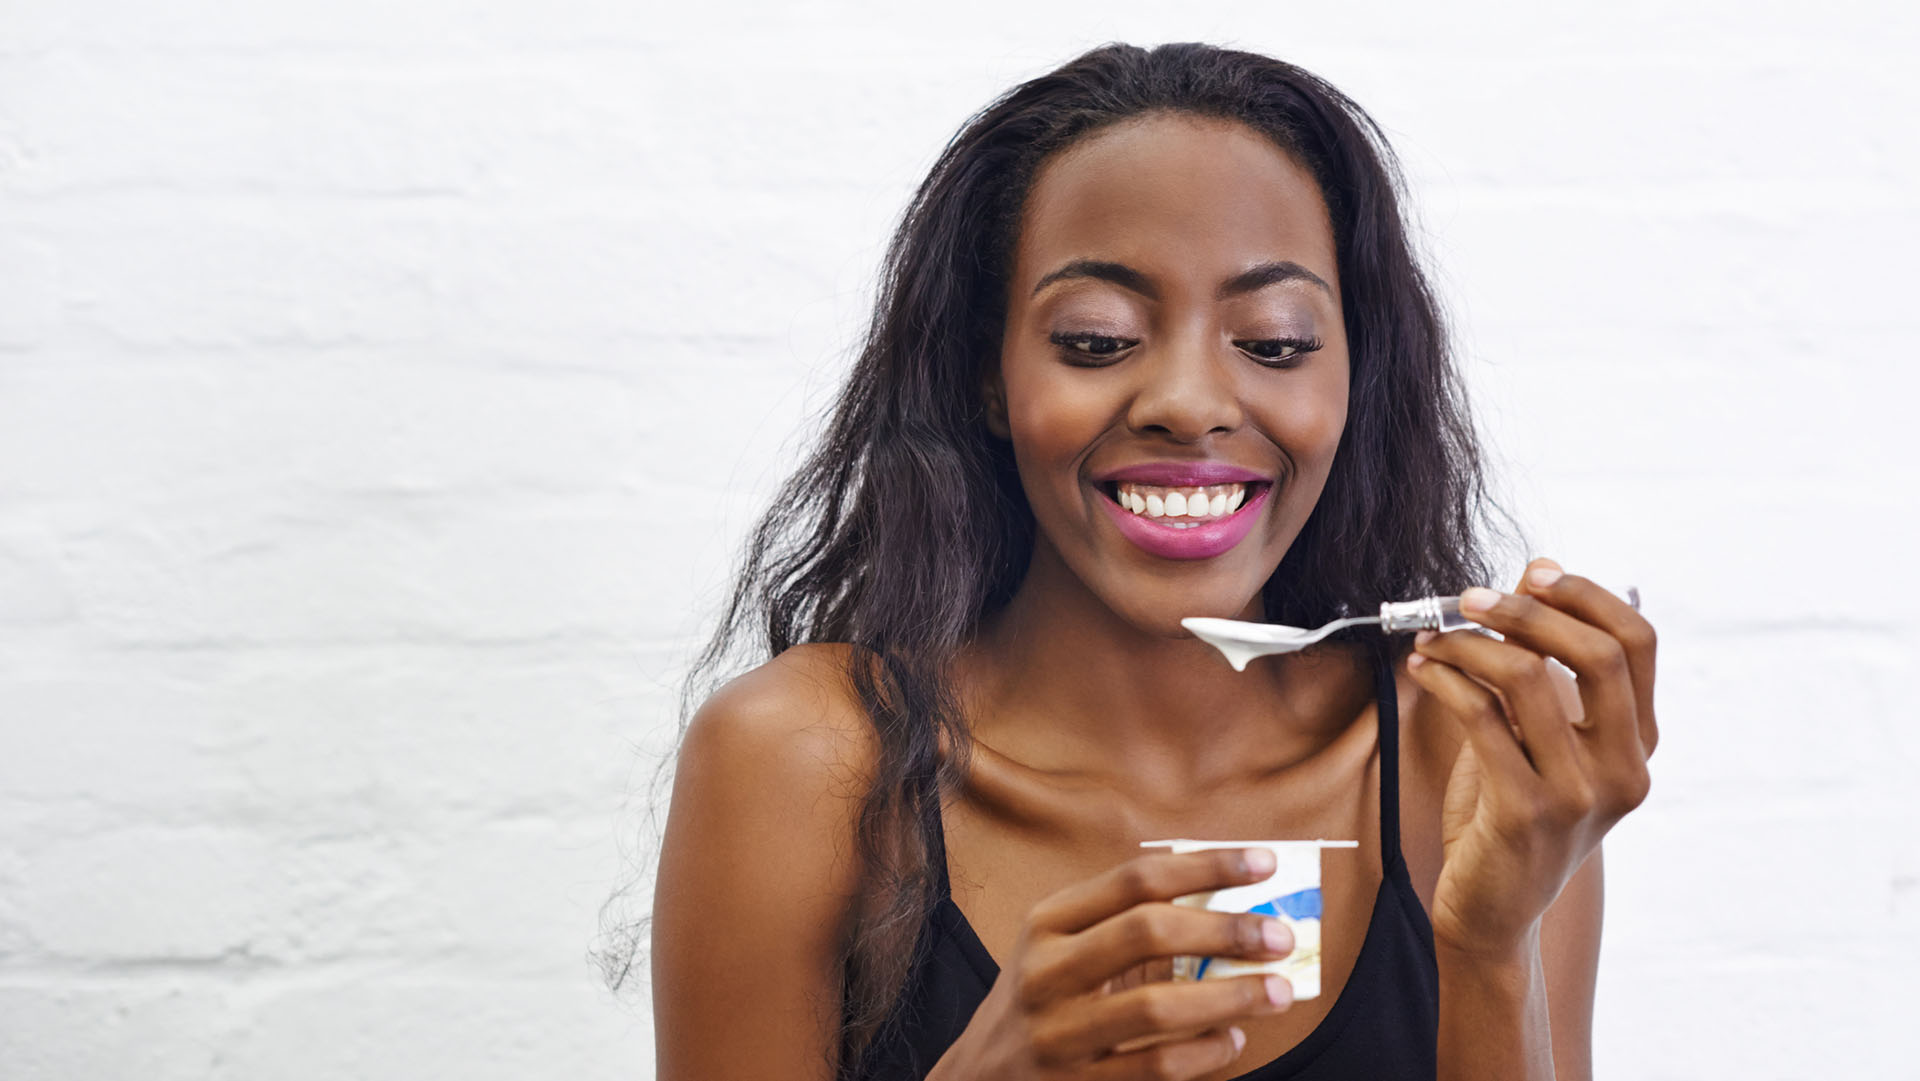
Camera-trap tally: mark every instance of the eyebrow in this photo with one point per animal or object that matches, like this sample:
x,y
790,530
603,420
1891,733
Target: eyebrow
x,y
1247,281
1267,274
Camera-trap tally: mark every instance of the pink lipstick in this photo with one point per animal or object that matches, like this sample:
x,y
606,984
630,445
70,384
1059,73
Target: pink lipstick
x,y
1203,541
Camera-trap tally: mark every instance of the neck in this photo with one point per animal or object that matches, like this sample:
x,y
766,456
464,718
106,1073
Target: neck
x,y
1058,682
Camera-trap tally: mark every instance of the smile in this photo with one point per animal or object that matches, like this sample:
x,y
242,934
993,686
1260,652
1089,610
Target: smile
x,y
1197,522
1182,507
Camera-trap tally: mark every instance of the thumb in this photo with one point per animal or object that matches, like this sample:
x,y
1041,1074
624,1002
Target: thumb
x,y
1542,561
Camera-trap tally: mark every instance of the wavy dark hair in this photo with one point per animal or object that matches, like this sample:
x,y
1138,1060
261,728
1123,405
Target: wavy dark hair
x,y
907,524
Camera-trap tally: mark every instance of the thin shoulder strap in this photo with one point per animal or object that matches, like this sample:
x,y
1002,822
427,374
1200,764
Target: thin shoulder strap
x,y
936,833
1387,702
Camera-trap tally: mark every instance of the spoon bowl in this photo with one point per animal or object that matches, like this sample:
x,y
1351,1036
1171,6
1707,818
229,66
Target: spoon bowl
x,y
1240,642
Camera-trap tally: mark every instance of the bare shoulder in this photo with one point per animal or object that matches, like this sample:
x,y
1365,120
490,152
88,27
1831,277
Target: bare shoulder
x,y
794,719
775,764
759,872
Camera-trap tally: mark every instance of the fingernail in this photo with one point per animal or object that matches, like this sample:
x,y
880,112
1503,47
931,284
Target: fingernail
x,y
1478,599
1424,637
1415,660
1279,991
1276,936
1260,861
1239,1039
1542,577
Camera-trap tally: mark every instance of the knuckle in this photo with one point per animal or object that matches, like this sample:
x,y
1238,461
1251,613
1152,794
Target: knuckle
x,y
1640,637
1537,807
1555,814
1522,607
1642,786
1611,659
1569,802
1575,804
1156,1009
1163,1063
1027,997
1229,863
1137,879
1632,791
1522,666
1244,932
1156,927
1531,671
1048,1051
1223,1050
1253,993
1030,989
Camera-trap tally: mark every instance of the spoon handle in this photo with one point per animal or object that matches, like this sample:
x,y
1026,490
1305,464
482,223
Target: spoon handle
x,y
1442,613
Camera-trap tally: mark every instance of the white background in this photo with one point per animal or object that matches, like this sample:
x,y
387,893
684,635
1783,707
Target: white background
x,y
385,388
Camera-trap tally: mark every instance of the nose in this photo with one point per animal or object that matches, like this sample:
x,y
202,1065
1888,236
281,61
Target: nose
x,y
1186,392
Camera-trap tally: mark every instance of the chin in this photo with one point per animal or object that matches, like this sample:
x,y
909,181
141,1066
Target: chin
x,y
1162,619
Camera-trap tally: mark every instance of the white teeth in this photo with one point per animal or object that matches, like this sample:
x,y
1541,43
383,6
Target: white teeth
x,y
1194,504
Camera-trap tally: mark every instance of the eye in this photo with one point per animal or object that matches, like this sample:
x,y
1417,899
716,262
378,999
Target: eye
x,y
1078,348
1279,352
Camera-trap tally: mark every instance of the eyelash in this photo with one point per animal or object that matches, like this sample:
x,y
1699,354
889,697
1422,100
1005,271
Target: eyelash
x,y
1300,346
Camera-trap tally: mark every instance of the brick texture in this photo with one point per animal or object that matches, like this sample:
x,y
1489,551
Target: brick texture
x,y
385,389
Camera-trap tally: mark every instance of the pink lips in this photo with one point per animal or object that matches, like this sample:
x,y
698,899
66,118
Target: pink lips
x,y
1193,542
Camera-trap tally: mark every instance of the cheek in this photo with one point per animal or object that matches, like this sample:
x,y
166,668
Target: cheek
x,y
1310,423
1049,420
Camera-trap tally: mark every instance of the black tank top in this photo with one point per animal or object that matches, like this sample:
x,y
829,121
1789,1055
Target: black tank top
x,y
1383,1025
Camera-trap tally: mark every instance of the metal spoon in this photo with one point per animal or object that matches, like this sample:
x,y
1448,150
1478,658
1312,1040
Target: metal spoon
x,y
1240,641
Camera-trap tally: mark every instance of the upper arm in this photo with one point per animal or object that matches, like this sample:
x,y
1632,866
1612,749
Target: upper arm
x,y
757,876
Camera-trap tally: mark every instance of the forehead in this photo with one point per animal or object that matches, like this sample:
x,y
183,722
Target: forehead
x,y
1174,195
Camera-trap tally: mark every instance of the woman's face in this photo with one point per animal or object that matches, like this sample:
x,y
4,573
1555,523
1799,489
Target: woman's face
x,y
1174,343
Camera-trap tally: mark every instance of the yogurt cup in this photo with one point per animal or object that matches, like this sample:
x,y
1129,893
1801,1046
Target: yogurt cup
x,y
1291,894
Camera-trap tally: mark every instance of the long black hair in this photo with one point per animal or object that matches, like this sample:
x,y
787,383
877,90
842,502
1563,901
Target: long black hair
x,y
907,524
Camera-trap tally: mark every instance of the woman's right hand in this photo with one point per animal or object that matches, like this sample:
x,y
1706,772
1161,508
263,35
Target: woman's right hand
x,y
1055,1011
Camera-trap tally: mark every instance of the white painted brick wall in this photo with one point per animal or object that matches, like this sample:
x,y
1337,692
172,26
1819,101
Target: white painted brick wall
x,y
345,348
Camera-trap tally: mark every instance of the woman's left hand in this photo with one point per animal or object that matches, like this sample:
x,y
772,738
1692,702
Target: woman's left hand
x,y
1535,786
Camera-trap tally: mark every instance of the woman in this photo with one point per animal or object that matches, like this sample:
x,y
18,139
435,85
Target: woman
x,y
1150,344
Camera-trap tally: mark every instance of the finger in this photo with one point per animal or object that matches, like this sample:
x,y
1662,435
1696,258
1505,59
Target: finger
x,y
1593,656
1540,563
1159,877
1478,713
1548,639
1599,607
1155,929
1175,1059
1519,675
1596,658
1164,1009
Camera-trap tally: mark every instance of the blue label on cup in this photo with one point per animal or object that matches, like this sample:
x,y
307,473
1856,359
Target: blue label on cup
x,y
1300,905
